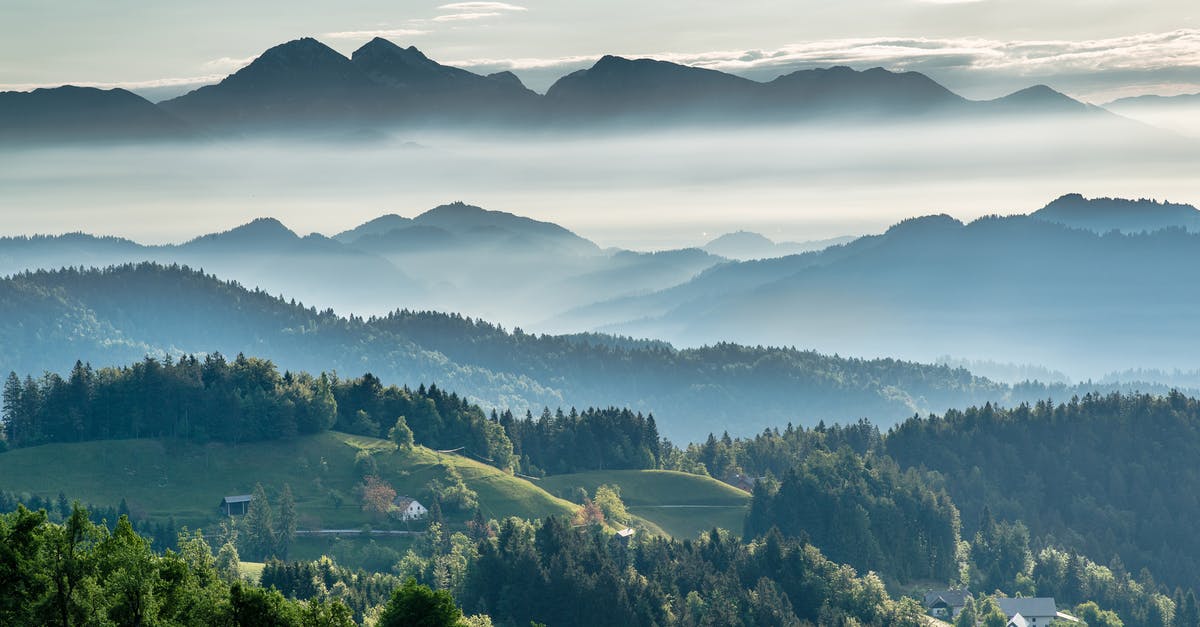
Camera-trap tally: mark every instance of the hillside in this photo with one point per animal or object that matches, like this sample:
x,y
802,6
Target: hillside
x,y
682,505
995,288
162,478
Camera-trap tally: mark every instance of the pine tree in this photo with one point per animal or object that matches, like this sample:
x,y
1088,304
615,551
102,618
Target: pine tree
x,y
260,525
287,521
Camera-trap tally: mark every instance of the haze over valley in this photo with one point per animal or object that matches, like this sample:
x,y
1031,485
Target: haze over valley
x,y
464,315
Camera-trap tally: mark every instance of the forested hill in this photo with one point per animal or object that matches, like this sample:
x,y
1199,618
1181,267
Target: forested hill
x,y
1107,475
48,320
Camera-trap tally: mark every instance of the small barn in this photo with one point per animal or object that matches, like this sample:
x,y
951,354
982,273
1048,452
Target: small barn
x,y
408,508
236,505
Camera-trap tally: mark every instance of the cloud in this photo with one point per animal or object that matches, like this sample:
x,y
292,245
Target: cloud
x,y
131,85
456,17
370,34
228,64
1145,52
481,6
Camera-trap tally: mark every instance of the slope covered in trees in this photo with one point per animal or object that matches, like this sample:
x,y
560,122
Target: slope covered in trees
x,y
117,316
1109,476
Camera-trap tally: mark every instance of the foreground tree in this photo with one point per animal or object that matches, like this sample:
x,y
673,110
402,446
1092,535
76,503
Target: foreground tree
x,y
415,605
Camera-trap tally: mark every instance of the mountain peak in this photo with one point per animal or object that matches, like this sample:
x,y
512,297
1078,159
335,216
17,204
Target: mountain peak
x,y
257,232
1042,99
1118,214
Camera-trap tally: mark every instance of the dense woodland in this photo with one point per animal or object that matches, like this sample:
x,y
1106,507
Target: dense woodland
x,y
49,319
595,439
1113,477
863,512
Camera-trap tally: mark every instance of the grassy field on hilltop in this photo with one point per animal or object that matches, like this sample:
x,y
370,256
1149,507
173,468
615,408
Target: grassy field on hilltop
x,y
162,478
680,504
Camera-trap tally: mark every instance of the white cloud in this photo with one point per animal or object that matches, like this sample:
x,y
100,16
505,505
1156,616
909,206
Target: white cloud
x,y
228,64
131,85
457,17
370,34
481,6
1174,49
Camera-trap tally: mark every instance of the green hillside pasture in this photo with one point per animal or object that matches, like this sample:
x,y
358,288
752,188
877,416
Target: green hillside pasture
x,y
680,504
186,480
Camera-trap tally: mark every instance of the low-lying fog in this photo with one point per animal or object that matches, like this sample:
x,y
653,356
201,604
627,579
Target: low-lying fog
x,y
640,190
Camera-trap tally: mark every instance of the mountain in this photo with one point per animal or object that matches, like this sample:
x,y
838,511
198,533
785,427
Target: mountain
x,y
76,114
301,81
1118,214
1176,113
430,89
1041,100
616,87
263,253
306,85
743,245
116,316
1154,100
455,257
841,90
378,226
1017,289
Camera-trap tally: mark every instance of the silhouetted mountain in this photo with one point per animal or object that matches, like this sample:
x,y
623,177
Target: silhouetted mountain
x,y
305,85
842,90
428,87
257,234
1189,100
619,87
378,226
461,218
1118,214
1017,289
1040,100
301,81
742,245
72,114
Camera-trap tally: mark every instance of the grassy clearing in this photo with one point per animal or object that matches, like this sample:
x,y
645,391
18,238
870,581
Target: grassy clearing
x,y
159,479
679,504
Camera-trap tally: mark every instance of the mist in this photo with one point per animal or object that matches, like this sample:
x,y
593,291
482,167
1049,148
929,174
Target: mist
x,y
636,189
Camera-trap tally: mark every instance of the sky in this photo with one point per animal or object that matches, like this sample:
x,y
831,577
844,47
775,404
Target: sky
x,y
1095,50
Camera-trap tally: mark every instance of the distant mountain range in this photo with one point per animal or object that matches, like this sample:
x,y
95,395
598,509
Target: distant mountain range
x,y
455,257
744,245
1056,288
306,85
1084,286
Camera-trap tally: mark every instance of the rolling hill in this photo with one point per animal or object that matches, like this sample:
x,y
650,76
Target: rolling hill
x,y
680,504
161,478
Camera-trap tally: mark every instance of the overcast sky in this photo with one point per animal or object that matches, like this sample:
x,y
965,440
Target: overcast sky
x,y
1092,49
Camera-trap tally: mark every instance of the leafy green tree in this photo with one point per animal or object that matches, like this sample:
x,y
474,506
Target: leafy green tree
x,y
990,614
1093,616
969,616
415,605
401,434
608,499
228,564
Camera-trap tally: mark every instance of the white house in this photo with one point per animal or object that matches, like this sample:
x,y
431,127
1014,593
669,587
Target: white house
x,y
1032,612
407,508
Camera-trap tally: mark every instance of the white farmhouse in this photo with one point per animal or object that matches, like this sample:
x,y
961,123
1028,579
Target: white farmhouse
x,y
408,508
